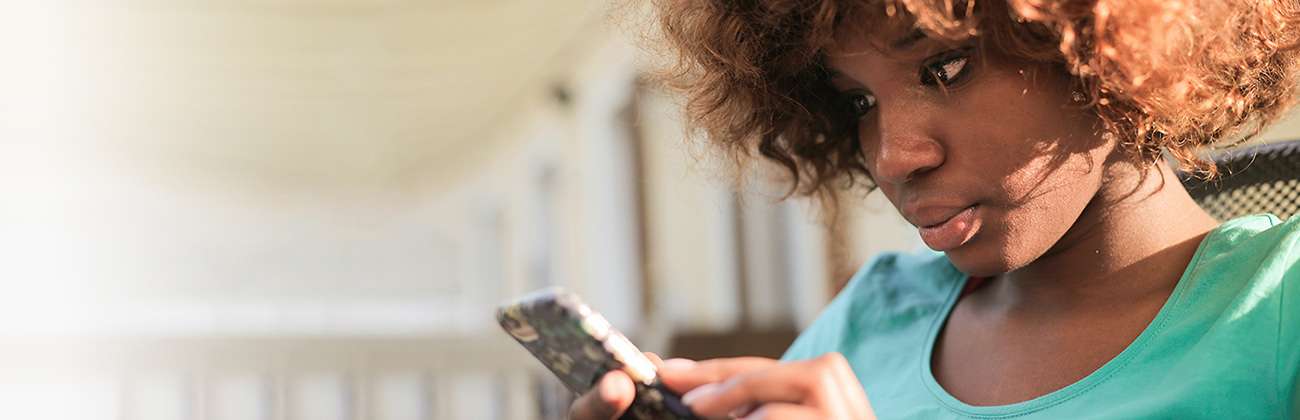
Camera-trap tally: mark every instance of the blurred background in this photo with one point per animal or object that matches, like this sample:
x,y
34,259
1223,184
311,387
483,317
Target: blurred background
x,y
308,209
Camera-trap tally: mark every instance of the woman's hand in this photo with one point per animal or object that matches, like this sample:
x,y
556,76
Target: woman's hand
x,y
610,397
760,388
752,387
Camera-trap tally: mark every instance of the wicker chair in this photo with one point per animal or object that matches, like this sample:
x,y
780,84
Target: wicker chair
x,y
1257,179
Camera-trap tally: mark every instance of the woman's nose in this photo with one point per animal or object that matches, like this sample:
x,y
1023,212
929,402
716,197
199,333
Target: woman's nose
x,y
901,157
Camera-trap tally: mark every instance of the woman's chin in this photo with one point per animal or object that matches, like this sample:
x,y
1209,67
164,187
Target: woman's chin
x,y
978,259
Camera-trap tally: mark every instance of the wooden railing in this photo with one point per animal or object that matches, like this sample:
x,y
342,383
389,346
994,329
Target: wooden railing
x,y
303,378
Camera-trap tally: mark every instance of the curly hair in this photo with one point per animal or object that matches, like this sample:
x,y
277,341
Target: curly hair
x,y
1164,76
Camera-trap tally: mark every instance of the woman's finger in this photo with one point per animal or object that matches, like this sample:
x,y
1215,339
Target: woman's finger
x,y
655,359
607,400
850,390
682,375
786,383
784,411
826,383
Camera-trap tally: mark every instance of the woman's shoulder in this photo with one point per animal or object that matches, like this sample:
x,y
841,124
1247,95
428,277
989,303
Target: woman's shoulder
x,y
1245,280
1259,226
1246,271
1259,243
896,278
892,292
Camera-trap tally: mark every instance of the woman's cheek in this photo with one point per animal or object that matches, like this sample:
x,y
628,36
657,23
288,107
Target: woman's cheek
x,y
1046,203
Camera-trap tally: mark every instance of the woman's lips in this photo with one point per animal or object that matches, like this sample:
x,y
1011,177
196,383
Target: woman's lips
x,y
951,233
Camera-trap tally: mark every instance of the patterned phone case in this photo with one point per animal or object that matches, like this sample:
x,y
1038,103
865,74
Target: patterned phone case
x,y
579,346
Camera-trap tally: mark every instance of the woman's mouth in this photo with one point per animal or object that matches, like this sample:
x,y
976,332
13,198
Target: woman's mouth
x,y
951,233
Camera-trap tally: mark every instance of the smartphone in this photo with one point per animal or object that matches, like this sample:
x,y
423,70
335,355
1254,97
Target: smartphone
x,y
579,346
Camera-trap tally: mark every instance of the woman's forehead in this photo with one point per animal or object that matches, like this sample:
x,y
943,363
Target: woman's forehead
x,y
873,31
893,46
889,30
880,42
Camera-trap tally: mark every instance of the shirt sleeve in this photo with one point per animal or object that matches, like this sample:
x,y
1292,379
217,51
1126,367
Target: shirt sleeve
x,y
822,336
826,333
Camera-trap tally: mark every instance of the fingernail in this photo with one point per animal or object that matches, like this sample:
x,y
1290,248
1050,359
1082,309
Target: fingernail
x,y
741,412
699,392
605,386
678,364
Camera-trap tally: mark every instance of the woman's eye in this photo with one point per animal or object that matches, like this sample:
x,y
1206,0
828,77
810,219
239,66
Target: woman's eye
x,y
859,104
945,70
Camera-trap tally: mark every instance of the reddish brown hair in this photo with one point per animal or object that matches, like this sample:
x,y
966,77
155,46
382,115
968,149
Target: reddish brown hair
x,y
1162,75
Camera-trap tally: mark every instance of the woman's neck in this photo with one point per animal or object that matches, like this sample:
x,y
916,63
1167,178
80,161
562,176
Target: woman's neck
x,y
1133,240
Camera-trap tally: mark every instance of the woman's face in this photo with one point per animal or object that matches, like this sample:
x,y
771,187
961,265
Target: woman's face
x,y
992,159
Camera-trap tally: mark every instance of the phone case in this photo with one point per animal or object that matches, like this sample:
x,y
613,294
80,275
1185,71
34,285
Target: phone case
x,y
579,346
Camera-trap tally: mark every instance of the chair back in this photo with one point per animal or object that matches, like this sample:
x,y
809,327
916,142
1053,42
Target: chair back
x,y
1258,179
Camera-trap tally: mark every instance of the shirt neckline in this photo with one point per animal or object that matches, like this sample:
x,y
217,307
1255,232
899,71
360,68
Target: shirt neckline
x,y
1097,377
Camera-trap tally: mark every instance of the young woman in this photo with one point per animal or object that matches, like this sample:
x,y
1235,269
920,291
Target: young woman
x,y
1030,142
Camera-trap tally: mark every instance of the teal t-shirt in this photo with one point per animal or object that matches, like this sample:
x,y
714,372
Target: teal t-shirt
x,y
1226,344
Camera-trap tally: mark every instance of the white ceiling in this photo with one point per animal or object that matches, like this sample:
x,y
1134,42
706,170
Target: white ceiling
x,y
269,134
308,91
295,92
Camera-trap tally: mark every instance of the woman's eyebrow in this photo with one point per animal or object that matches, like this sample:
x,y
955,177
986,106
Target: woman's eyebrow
x,y
832,75
907,41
